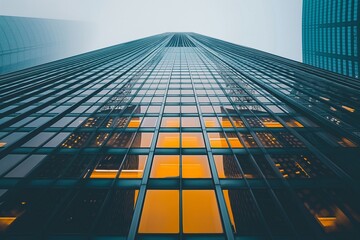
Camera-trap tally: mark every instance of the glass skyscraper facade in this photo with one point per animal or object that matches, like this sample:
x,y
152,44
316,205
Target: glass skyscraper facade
x,y
331,35
179,136
27,42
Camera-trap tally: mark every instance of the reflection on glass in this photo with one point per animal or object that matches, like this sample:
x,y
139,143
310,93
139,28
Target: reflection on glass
x,y
120,140
107,166
160,213
5,222
172,109
189,109
190,122
165,166
234,140
227,166
170,122
292,122
225,122
154,109
142,140
200,212
168,140
149,122
211,122
192,140
217,140
248,140
195,166
76,140
238,122
268,140
99,139
327,213
248,167
270,122
133,166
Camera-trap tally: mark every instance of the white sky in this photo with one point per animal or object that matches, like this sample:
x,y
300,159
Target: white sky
x,y
270,25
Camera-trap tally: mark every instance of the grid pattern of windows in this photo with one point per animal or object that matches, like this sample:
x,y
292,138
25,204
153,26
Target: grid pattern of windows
x,y
330,35
177,136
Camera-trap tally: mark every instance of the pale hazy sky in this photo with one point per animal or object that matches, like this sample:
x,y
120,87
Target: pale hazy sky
x,y
270,25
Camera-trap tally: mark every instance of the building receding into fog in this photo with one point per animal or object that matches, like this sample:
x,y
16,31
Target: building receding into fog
x,y
331,31
27,42
179,136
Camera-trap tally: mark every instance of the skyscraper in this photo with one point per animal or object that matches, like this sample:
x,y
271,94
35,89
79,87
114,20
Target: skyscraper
x,y
179,135
331,35
27,42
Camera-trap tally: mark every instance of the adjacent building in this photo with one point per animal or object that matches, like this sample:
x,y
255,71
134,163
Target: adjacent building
x,y
178,136
331,35
27,42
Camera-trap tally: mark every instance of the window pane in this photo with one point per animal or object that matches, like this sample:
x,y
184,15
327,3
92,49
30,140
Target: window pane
x,y
227,166
211,122
168,140
190,122
217,140
201,212
165,166
195,166
192,140
133,166
171,122
160,212
142,140
134,122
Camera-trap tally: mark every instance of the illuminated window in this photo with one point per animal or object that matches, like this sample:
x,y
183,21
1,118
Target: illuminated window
x,y
133,166
248,140
168,140
217,140
165,166
6,221
76,140
234,140
162,205
270,122
190,122
107,166
99,139
200,212
227,166
225,122
134,122
211,122
195,166
192,140
170,122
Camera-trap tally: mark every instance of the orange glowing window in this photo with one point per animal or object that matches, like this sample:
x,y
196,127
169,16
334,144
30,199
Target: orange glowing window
x,y
270,122
348,109
195,166
134,122
225,122
170,122
201,212
133,166
234,140
165,166
192,140
327,222
229,208
190,122
168,140
217,140
2,144
293,123
160,213
211,122
5,222
346,142
104,173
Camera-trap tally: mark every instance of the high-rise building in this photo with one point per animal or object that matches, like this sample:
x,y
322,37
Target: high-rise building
x,y
27,42
331,35
179,135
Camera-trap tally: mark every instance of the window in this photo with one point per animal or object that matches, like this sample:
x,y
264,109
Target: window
x,y
217,140
165,166
162,205
195,166
170,122
192,140
168,140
